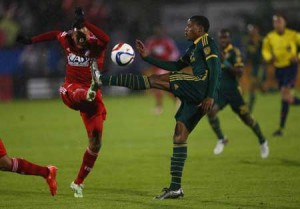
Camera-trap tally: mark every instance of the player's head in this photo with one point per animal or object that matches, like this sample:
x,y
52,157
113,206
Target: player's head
x,y
196,27
79,39
224,38
279,23
252,29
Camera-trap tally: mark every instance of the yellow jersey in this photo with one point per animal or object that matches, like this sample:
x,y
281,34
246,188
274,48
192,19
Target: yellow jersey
x,y
282,47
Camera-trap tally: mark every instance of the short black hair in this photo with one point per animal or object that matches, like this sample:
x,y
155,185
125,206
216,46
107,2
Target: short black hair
x,y
225,32
201,20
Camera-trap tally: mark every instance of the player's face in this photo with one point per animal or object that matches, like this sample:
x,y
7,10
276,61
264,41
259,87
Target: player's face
x,y
79,44
192,31
279,24
224,40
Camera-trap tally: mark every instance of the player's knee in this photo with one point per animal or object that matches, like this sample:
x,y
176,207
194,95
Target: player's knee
x,y
211,115
181,134
247,119
95,142
5,163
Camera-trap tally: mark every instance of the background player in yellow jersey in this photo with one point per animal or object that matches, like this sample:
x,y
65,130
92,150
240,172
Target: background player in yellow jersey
x,y
280,49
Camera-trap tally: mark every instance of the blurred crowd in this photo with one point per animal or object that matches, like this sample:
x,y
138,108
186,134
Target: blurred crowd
x,y
122,22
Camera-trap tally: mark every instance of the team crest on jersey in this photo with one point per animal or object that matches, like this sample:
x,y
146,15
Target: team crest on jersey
x,y
75,60
207,50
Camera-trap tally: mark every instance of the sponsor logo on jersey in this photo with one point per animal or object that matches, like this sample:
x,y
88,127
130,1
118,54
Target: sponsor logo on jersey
x,y
75,60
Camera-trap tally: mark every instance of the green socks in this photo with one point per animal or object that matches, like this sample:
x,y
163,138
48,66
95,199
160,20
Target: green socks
x,y
215,124
135,82
177,164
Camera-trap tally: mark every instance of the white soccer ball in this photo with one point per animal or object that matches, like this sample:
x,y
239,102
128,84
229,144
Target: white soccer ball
x,y
122,54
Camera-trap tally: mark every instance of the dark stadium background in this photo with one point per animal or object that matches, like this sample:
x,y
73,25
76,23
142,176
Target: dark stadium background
x,y
23,70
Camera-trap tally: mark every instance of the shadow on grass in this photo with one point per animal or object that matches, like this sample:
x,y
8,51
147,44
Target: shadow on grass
x,y
231,204
140,197
278,161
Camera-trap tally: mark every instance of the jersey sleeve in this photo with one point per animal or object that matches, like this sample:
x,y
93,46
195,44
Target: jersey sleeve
x,y
102,37
267,49
211,53
48,36
210,49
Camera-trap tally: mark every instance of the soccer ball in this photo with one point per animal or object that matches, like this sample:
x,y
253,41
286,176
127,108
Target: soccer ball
x,y
122,54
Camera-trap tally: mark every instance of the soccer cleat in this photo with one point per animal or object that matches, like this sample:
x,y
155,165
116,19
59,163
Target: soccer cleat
x,y
170,194
77,189
278,133
96,73
51,179
264,150
220,146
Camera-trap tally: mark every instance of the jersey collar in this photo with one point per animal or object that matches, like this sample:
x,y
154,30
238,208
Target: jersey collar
x,y
198,39
228,48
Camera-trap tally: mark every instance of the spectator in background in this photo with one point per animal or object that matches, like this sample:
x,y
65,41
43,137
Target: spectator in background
x,y
9,27
254,58
161,47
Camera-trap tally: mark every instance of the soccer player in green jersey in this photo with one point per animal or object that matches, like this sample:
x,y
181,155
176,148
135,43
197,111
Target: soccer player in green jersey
x,y
197,92
232,68
254,58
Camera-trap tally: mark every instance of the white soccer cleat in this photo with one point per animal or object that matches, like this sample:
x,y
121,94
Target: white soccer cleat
x,y
91,94
96,73
220,146
264,150
77,189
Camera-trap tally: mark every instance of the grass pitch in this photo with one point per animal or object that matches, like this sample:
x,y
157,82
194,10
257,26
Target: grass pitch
x,y
134,162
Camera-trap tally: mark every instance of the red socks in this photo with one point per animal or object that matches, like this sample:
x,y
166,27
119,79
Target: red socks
x,y
88,162
24,167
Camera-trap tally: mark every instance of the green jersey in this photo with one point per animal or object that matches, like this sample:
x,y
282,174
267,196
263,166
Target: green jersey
x,y
231,58
203,57
197,54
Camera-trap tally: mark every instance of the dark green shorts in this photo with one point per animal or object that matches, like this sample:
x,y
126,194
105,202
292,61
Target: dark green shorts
x,y
191,90
188,87
189,114
234,98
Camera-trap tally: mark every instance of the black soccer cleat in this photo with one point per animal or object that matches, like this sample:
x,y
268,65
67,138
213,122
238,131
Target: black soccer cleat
x,y
278,133
170,194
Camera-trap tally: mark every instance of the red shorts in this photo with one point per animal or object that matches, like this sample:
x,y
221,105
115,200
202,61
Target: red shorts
x,y
92,113
2,149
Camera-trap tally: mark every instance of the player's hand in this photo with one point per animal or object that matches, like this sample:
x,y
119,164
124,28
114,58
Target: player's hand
x,y
23,39
79,13
78,24
79,18
141,48
207,104
295,59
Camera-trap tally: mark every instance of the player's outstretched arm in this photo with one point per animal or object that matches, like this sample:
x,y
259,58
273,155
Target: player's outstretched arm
x,y
167,65
48,36
100,34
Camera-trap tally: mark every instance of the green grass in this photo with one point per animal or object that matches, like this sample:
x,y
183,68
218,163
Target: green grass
x,y
134,162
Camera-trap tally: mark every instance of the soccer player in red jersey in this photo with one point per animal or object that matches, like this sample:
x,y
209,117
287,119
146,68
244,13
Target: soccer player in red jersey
x,y
82,45
24,167
161,47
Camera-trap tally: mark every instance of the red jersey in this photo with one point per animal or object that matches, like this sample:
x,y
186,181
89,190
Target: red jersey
x,y
78,64
2,149
162,48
